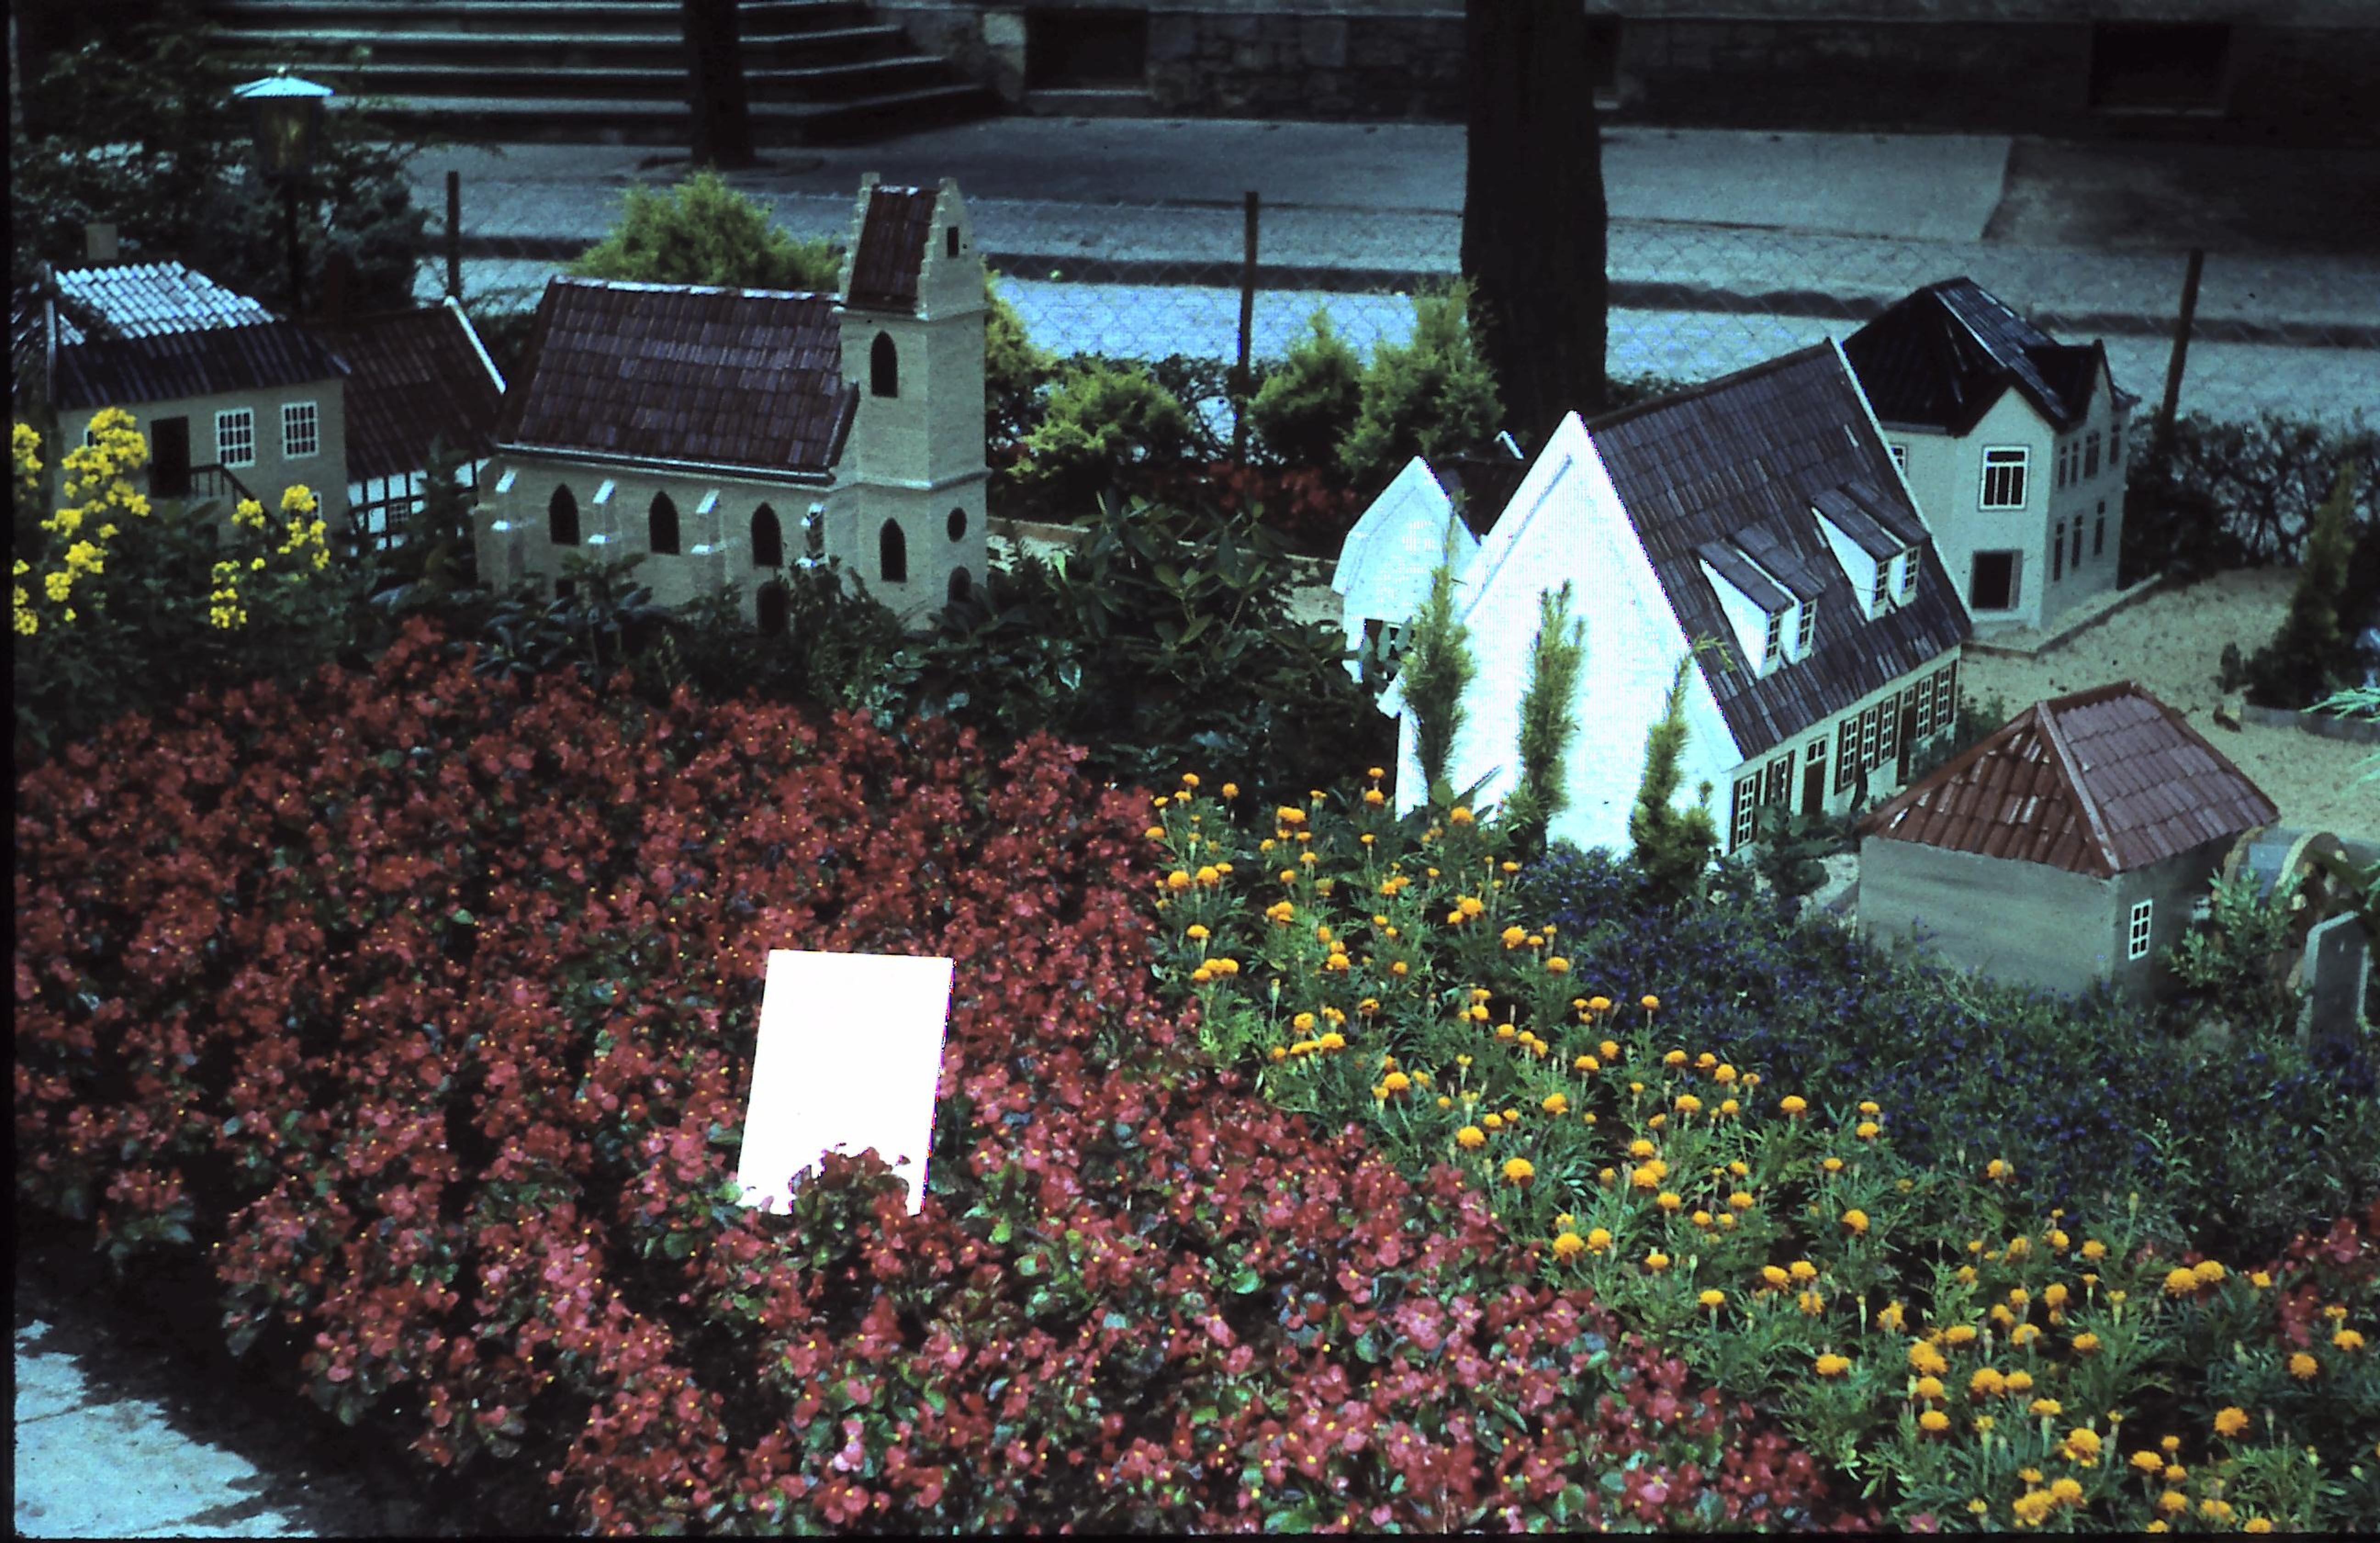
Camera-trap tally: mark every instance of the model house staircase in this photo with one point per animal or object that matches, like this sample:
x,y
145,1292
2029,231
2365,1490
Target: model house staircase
x,y
610,71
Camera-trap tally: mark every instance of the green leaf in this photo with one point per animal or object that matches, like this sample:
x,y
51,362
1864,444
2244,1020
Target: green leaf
x,y
1245,1280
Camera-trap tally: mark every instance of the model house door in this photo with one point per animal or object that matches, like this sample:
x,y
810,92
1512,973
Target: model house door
x,y
1813,788
1908,734
169,458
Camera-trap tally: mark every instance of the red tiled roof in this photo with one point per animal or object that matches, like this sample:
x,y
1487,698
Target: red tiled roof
x,y
2101,782
744,377
414,376
891,248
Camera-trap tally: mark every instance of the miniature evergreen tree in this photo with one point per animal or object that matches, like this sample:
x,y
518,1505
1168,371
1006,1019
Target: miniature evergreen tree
x,y
2307,657
702,231
1437,669
1433,397
1308,403
1547,725
1673,847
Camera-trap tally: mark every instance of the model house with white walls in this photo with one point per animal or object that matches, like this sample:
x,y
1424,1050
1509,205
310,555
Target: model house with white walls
x,y
1385,562
1758,522
416,379
2012,442
726,434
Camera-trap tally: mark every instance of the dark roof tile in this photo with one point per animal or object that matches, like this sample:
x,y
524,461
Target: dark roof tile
x,y
1944,354
414,376
1753,451
746,378
891,248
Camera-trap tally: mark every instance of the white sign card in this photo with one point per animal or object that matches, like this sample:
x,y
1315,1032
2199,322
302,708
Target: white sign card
x,y
849,1053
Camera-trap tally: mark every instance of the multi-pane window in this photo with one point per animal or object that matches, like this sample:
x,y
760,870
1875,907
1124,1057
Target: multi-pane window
x,y
1900,455
1946,695
301,430
1847,752
1924,696
1868,731
1779,788
1809,633
2004,470
2058,553
1888,738
1774,649
1747,800
1880,595
2090,453
235,437
2099,530
1904,569
2137,934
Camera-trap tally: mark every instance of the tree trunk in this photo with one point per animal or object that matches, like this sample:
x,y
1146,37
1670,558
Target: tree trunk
x,y
1533,208
722,129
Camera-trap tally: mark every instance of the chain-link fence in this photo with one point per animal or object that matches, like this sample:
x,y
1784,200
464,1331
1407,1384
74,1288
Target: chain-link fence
x,y
2296,335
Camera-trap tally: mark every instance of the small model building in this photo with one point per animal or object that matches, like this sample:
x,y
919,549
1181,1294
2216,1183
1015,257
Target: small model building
x,y
1760,512
728,432
234,401
1386,560
2065,849
415,378
2012,442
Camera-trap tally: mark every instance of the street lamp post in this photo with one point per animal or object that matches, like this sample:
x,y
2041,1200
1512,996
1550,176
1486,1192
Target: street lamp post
x,y
288,117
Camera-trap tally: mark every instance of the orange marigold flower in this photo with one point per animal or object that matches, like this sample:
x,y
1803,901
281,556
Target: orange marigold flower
x,y
1794,1105
1657,1261
1519,1171
2230,1421
1649,1003
1470,1138
2147,1461
1934,1422
1598,1240
1832,1366
2086,1343
2209,1273
2082,1445
1856,1221
1928,1388
2348,1340
2304,1366
1986,1383
1713,1298
1568,1246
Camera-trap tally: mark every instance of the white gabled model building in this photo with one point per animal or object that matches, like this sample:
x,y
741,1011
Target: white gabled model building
x,y
1386,560
1762,513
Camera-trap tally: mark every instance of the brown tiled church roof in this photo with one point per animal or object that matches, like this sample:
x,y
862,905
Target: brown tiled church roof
x,y
2100,782
1740,463
750,379
414,376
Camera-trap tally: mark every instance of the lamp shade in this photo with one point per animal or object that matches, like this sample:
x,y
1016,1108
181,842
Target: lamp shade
x,y
288,114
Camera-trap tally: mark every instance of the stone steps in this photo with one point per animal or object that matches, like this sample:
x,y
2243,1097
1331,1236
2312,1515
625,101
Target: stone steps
x,y
613,71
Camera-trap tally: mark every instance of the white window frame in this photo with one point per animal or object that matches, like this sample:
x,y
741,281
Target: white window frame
x,y
1879,599
1899,453
243,420
309,415
2014,462
1772,649
1905,575
2137,932
1808,634
1747,804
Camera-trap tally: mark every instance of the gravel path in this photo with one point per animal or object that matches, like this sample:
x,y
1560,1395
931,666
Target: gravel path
x,y
2172,644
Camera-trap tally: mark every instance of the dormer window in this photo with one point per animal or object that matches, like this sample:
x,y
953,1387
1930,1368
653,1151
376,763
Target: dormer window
x,y
1772,653
1905,575
1880,599
1809,629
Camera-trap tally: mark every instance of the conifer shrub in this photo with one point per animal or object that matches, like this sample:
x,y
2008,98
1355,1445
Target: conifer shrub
x,y
1309,401
1432,397
2311,654
1672,846
1437,670
702,231
1102,420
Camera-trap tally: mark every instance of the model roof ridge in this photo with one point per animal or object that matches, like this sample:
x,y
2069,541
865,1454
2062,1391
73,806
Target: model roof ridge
x,y
654,286
1707,388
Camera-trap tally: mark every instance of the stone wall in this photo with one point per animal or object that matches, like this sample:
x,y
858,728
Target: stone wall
x,y
2298,70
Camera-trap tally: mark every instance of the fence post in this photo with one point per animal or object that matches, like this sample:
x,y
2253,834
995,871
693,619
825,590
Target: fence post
x,y
455,236
1247,325
2180,348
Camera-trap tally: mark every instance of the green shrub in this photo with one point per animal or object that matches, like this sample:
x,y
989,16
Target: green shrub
x,y
1437,670
2227,495
1432,397
1547,721
1014,371
1101,420
702,231
1673,846
2311,654
1309,402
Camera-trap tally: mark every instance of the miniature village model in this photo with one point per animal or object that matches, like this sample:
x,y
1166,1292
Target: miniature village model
x,y
725,432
